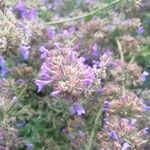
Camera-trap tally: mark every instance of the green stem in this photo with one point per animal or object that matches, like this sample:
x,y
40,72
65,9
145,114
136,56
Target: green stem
x,y
122,59
132,59
92,13
93,130
22,92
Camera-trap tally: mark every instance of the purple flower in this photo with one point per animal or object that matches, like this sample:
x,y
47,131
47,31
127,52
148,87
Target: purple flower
x,y
29,146
3,68
2,61
44,52
32,14
55,93
140,30
147,108
106,106
110,28
23,12
144,76
146,130
56,45
113,135
76,108
41,84
20,9
51,32
24,51
95,50
72,29
125,146
3,71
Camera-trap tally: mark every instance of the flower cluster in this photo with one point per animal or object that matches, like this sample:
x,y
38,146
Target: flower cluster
x,y
121,134
23,12
121,123
65,72
79,83
11,35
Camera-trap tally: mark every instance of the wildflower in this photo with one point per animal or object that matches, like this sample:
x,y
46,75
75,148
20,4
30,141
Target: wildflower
x,y
51,32
140,30
147,108
55,93
146,130
125,146
41,84
110,27
128,105
76,108
20,8
144,76
113,135
65,72
106,106
3,68
23,12
56,45
24,51
29,146
32,13
95,50
44,52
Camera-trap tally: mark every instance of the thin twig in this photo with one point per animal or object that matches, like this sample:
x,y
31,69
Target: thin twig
x,y
90,14
93,130
122,59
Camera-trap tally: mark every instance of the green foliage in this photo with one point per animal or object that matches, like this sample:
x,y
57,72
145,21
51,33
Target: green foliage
x,y
144,57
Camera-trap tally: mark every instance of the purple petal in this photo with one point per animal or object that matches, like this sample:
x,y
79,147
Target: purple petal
x,y
140,30
24,51
76,108
44,52
125,146
41,84
55,93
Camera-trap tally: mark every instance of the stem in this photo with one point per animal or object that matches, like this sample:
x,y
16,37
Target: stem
x,y
22,92
122,59
93,130
92,13
120,49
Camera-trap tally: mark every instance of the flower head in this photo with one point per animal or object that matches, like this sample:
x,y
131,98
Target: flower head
x,y
144,76
44,52
3,68
113,135
23,12
51,32
125,146
127,106
65,72
140,30
20,8
24,51
76,108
